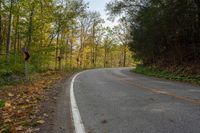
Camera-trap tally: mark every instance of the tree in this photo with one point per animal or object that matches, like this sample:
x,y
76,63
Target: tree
x,y
122,32
161,29
88,24
59,34
8,41
1,42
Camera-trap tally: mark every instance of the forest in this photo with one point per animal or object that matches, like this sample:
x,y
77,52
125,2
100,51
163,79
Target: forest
x,y
44,42
164,34
58,35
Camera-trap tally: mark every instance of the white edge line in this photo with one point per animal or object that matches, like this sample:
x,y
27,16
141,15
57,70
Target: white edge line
x,y
78,124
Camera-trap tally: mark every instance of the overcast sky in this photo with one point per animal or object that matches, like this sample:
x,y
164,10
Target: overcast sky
x,y
100,5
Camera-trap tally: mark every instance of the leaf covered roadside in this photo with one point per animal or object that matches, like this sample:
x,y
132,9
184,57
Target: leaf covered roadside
x,y
21,103
177,74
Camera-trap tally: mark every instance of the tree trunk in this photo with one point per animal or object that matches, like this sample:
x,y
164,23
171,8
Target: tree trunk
x,y
81,51
95,55
94,46
30,29
197,36
71,51
57,43
124,60
105,57
8,41
16,37
1,43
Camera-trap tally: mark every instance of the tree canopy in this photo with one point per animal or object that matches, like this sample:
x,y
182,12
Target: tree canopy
x,y
58,34
164,33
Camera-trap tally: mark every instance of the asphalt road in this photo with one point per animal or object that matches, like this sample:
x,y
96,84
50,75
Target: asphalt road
x,y
119,101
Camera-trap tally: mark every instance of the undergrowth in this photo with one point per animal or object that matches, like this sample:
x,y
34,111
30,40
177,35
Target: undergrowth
x,y
175,75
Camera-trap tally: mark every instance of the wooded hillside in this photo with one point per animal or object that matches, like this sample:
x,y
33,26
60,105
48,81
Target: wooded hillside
x,y
164,33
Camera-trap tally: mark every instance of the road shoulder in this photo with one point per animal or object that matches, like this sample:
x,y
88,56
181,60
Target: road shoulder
x,y
56,109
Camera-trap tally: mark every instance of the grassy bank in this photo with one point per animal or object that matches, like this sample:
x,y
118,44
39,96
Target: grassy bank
x,y
177,75
15,74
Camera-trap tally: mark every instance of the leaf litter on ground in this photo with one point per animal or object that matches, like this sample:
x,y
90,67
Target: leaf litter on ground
x,y
20,103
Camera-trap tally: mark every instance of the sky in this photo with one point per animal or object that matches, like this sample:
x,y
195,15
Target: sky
x,y
99,6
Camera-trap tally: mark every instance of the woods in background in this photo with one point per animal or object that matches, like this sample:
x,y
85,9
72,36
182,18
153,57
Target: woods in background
x,y
59,34
164,33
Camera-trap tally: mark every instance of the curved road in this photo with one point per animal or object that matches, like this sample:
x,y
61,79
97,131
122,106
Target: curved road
x,y
119,101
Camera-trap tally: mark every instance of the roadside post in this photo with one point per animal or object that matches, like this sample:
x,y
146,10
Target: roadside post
x,y
26,58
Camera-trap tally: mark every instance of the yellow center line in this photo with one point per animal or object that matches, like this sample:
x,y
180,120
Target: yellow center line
x,y
159,91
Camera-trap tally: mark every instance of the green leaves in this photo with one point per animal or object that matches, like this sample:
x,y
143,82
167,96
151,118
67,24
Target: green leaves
x,y
172,75
2,103
161,31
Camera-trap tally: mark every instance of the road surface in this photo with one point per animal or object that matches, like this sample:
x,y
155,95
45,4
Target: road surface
x,y
119,101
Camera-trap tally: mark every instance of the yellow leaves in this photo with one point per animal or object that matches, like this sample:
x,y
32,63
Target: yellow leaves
x,y
8,120
22,103
25,106
10,94
8,105
87,49
31,130
40,121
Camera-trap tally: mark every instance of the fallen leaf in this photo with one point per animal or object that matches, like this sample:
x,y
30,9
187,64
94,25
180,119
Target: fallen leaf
x,y
54,98
7,120
45,115
10,94
7,105
20,128
41,122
